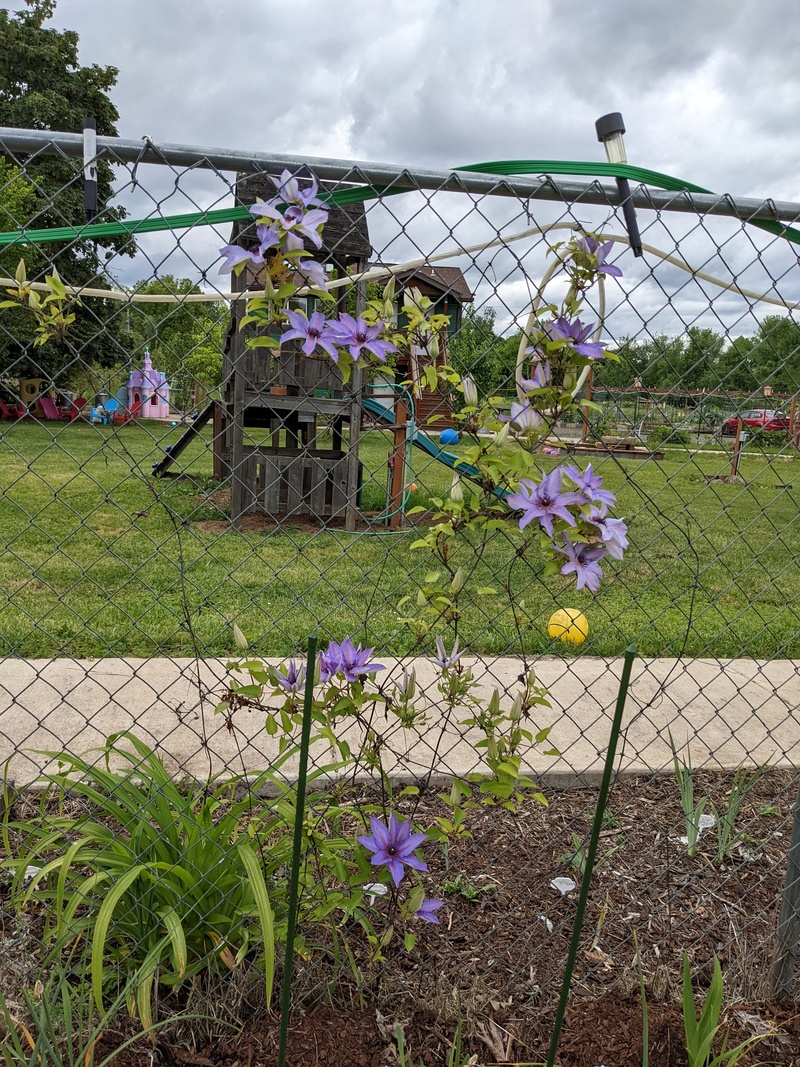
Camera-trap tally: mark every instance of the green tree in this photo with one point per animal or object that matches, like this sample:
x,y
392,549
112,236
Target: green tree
x,y
775,355
477,350
185,340
44,87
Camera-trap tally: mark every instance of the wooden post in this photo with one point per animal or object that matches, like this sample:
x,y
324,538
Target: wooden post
x,y
737,444
785,961
396,516
351,512
585,429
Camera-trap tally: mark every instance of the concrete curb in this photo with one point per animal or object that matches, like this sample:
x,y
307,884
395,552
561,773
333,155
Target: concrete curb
x,y
730,712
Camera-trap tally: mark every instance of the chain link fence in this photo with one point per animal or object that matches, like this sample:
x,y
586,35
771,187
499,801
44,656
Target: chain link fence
x,y
163,483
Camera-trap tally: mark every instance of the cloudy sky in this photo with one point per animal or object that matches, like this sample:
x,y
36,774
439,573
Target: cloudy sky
x,y
710,90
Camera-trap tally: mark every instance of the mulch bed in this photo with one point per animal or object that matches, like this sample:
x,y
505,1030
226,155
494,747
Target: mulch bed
x,y
496,961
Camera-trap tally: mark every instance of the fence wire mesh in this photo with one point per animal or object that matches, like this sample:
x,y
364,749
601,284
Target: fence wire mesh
x,y
163,482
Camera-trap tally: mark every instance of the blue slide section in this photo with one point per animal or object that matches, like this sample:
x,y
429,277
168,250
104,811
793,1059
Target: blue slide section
x,y
421,440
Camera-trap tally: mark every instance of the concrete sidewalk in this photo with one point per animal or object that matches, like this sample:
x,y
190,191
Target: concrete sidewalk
x,y
731,711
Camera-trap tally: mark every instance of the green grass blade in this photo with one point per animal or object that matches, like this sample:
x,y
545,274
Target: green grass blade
x,y
101,925
177,940
255,875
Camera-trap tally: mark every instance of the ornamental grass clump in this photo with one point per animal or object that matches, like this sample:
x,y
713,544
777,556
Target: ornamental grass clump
x,y
152,885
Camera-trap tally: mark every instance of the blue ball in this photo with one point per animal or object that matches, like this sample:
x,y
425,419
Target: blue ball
x,y
448,437
173,424
168,448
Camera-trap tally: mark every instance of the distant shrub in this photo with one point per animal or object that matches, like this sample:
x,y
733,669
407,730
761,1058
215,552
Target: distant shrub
x,y
767,438
661,434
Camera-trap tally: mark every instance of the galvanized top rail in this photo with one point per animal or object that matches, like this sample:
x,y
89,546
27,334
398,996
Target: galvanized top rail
x,y
26,142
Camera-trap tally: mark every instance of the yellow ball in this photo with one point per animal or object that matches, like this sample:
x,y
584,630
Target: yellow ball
x,y
568,625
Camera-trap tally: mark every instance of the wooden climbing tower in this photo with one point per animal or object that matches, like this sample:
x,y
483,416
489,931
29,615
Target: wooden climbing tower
x,y
280,428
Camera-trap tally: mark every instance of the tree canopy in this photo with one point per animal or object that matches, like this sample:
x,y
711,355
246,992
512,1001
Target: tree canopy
x,y
44,87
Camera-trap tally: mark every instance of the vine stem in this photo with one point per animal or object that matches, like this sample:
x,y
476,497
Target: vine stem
x,y
294,877
591,854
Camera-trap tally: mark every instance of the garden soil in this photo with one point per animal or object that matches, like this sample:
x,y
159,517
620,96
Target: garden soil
x,y
496,960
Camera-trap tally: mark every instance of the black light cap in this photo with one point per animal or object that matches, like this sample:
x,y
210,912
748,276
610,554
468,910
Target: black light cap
x,y
608,124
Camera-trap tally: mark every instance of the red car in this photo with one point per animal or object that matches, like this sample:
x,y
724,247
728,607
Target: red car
x,y
758,419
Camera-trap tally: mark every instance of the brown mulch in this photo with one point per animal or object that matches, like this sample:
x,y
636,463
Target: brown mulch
x,y
496,960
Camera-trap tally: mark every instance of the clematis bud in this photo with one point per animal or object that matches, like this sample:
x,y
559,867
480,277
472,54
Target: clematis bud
x,y
501,437
470,390
422,600
239,639
433,347
494,703
516,708
457,490
457,583
407,684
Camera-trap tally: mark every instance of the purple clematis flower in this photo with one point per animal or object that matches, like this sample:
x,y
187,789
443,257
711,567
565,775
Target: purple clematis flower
x,y
294,219
393,846
544,502
294,678
590,246
583,561
575,334
524,416
611,532
348,660
268,237
289,191
540,369
356,335
589,485
442,659
427,908
312,274
313,330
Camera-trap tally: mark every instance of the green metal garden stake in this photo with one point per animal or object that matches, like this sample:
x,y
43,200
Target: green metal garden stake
x,y
294,877
591,854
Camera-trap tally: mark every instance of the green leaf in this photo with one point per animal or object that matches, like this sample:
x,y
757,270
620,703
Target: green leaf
x,y
104,916
255,877
177,940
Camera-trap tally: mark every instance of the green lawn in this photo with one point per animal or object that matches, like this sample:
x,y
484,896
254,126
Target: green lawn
x,y
712,568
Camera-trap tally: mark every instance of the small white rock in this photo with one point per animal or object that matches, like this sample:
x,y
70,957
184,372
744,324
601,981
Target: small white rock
x,y
375,889
30,873
564,885
548,925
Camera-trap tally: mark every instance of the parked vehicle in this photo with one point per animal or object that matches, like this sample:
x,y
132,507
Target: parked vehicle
x,y
757,419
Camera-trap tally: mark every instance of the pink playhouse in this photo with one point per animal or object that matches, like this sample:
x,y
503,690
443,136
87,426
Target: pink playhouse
x,y
150,389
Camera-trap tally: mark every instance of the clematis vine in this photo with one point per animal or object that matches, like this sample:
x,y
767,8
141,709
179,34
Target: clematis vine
x,y
583,560
289,191
392,846
612,533
314,332
345,659
524,417
294,677
294,219
593,254
356,335
427,910
235,255
545,502
589,486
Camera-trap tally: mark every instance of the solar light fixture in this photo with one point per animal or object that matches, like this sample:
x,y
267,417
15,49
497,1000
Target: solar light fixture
x,y
610,129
